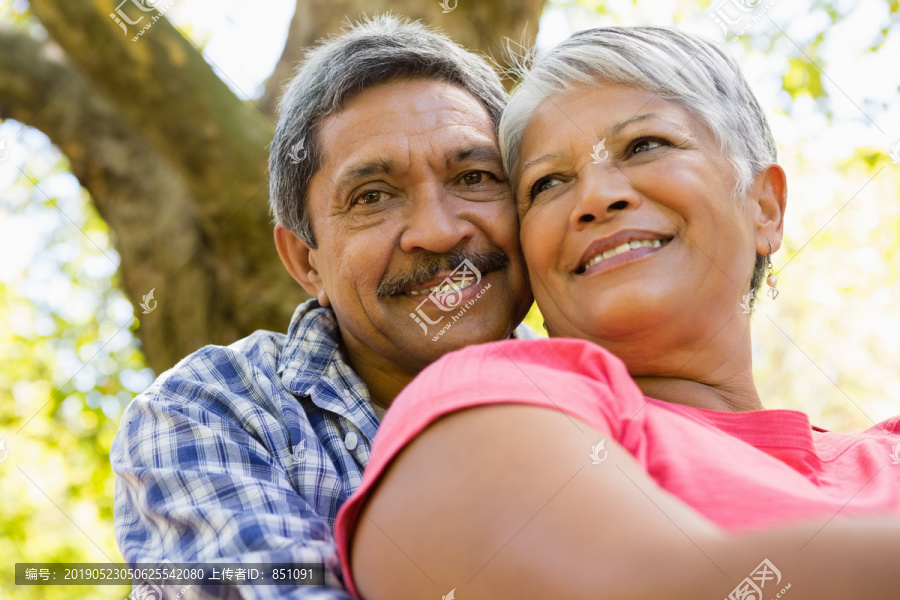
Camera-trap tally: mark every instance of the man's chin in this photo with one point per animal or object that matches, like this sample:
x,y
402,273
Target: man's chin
x,y
416,348
448,336
474,315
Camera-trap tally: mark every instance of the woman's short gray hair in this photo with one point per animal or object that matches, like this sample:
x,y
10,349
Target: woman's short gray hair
x,y
373,52
677,66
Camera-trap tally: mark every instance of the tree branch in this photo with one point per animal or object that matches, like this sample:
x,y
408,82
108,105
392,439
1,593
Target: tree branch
x,y
482,26
300,36
120,170
218,143
164,87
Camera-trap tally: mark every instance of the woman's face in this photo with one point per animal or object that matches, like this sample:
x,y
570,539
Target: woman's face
x,y
660,185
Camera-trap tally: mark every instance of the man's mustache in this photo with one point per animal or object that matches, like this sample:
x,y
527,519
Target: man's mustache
x,y
427,266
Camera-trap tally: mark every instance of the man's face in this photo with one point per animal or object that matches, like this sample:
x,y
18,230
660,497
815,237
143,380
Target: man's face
x,y
411,185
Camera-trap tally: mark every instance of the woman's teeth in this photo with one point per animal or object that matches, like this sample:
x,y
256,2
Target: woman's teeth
x,y
623,249
449,287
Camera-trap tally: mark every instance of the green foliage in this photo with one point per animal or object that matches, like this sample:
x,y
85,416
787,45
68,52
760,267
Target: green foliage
x,y
803,77
71,363
535,320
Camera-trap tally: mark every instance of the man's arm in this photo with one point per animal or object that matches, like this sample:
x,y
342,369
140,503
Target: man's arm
x,y
503,502
198,482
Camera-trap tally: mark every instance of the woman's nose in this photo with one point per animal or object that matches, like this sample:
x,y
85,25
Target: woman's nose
x,y
602,191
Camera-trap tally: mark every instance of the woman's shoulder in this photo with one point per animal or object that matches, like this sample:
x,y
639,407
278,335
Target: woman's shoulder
x,y
562,354
542,371
518,359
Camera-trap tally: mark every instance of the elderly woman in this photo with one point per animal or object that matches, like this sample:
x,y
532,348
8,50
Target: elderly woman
x,y
636,461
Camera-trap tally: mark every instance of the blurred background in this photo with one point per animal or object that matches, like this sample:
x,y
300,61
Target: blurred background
x,y
134,226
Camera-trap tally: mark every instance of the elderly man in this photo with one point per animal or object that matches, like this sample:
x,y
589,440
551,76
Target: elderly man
x,y
394,213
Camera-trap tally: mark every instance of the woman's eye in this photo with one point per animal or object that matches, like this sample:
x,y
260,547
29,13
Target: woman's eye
x,y
646,144
370,197
543,184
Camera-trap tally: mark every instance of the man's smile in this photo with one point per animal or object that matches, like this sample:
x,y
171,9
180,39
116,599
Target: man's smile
x,y
443,285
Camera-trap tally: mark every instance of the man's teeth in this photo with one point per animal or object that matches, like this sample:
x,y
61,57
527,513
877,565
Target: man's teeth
x,y
461,284
624,248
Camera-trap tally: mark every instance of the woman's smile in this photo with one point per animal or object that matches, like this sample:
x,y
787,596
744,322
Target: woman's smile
x,y
618,249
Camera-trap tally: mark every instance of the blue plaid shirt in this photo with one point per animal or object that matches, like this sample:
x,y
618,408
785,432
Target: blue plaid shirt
x,y
245,453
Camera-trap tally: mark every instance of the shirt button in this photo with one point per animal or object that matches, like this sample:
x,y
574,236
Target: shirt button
x,y
350,441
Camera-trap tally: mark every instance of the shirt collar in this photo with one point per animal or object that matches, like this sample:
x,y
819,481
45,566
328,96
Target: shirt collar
x,y
524,332
312,365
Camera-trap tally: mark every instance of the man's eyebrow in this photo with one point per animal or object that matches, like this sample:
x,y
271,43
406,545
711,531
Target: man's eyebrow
x,y
363,170
478,154
383,166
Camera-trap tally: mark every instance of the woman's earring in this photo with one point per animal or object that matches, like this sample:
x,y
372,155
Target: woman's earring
x,y
771,279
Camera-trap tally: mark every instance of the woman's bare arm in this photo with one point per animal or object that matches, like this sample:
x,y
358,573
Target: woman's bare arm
x,y
503,501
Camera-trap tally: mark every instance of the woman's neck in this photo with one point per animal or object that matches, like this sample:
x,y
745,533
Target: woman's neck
x,y
736,395
710,368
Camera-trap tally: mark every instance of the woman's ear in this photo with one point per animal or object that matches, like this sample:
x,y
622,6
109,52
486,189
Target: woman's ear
x,y
299,258
770,197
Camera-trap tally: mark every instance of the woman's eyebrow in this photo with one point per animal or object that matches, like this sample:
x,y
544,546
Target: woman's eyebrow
x,y
618,127
542,158
678,123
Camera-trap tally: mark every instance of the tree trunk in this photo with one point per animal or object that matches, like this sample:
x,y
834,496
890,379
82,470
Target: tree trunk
x,y
176,163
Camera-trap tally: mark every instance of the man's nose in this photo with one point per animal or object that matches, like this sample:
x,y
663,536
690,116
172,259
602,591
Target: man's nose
x,y
434,221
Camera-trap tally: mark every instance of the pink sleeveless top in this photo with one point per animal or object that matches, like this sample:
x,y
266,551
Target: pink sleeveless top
x,y
743,471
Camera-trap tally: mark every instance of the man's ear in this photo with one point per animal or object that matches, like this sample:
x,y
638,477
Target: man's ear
x,y
771,200
300,261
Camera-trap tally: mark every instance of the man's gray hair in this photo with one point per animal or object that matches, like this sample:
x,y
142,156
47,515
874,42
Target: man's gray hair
x,y
680,67
373,52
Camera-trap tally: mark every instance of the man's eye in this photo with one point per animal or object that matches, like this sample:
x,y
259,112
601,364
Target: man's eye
x,y
543,184
370,197
475,177
646,144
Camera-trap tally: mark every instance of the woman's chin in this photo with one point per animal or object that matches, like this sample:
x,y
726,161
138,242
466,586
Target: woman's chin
x,y
613,322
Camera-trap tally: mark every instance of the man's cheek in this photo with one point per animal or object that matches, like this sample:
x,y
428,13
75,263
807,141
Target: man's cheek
x,y
503,225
